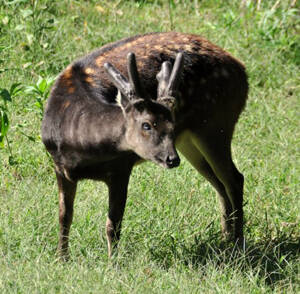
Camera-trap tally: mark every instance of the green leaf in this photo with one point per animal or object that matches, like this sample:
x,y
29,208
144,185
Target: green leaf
x,y
15,89
5,95
26,12
30,38
20,27
42,84
5,20
16,2
172,4
28,137
32,90
282,258
4,125
3,70
11,160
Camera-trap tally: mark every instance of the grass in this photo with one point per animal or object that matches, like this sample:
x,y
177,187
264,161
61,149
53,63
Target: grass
x,y
171,234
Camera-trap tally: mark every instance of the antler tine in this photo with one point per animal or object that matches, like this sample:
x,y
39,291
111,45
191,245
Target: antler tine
x,y
173,82
134,75
168,81
163,78
119,80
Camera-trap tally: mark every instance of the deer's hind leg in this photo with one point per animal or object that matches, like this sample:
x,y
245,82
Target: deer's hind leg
x,y
67,191
190,151
215,146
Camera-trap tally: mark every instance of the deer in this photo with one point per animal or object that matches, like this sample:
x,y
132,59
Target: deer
x,y
143,98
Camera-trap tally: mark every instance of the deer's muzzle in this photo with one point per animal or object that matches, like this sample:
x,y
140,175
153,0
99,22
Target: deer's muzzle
x,y
172,161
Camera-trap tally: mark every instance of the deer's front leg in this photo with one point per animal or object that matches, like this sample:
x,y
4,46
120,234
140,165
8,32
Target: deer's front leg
x,y
117,185
67,190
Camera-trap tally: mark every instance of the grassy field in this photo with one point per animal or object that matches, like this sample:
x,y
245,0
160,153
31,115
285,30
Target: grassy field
x,y
171,240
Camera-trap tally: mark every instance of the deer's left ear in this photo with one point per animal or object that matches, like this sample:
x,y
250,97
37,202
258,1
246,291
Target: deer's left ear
x,y
122,100
127,105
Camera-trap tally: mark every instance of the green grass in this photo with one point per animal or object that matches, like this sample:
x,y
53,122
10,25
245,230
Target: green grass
x,y
171,239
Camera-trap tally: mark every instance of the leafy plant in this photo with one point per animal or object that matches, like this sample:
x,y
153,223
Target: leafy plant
x,y
40,92
6,96
4,124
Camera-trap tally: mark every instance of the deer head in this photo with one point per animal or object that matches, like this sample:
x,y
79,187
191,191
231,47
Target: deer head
x,y
149,124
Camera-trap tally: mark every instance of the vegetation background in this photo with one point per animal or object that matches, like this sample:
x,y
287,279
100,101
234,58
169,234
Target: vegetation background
x,y
171,239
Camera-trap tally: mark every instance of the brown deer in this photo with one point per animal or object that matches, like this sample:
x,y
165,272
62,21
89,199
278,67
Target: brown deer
x,y
109,111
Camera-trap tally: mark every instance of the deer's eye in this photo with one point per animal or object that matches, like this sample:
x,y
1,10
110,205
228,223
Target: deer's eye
x,y
146,126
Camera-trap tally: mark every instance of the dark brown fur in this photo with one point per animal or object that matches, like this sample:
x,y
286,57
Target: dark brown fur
x,y
83,126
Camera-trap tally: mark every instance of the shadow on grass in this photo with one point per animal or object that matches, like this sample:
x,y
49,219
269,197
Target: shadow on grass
x,y
273,261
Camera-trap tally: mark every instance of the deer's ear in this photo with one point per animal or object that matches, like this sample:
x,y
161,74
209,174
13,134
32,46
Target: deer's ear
x,y
127,105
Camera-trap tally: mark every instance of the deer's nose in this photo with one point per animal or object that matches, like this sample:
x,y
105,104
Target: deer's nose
x,y
172,161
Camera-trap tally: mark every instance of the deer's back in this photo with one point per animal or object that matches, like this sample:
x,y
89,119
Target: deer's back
x,y
212,80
